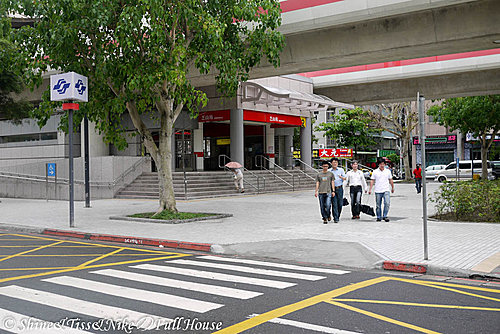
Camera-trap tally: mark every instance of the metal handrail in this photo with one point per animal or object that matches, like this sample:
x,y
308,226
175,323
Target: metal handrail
x,y
225,158
305,164
366,167
40,178
275,176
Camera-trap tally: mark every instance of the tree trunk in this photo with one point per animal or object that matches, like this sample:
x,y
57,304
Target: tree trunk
x,y
406,157
484,159
167,196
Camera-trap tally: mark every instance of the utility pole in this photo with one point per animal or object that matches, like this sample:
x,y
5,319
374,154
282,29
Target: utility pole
x,y
421,116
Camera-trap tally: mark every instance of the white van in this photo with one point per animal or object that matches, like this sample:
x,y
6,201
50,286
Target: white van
x,y
449,173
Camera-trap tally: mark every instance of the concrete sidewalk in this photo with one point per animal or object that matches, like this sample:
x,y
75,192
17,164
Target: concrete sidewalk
x,y
286,226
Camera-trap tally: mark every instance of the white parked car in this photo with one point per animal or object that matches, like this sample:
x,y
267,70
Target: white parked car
x,y
449,173
431,171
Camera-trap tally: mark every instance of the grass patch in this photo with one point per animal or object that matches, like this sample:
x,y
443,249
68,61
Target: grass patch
x,y
169,215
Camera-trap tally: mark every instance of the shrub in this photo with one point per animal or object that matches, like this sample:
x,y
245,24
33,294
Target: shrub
x,y
477,200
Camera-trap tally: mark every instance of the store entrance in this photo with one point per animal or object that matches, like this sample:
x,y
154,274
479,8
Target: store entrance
x,y
184,157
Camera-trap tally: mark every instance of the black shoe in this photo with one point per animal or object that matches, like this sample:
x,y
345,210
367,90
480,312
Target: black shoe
x,y
379,220
336,221
387,219
324,221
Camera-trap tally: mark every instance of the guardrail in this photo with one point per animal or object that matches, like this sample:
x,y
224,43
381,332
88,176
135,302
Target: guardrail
x,y
260,158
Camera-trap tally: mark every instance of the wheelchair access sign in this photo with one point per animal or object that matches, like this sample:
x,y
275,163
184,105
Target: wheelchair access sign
x,y
51,169
69,86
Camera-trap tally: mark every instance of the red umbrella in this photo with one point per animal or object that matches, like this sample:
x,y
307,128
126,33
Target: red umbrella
x,y
233,164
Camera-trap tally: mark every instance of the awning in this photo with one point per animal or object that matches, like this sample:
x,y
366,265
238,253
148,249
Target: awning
x,y
280,97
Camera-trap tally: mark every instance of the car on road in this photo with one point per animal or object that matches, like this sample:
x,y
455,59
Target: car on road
x,y
431,171
495,169
449,173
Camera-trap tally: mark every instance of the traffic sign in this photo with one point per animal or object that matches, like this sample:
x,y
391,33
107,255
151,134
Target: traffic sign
x,y
51,169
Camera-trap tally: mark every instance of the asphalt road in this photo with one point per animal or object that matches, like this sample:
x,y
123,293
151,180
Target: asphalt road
x,y
91,287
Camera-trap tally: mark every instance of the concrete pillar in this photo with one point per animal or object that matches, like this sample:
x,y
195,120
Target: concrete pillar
x,y
270,150
460,145
306,143
288,151
172,147
237,136
198,146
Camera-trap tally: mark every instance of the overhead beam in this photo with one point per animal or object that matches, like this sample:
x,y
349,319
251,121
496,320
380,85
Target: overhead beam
x,y
432,87
445,30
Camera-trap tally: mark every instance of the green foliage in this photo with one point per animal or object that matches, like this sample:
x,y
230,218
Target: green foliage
x,y
141,54
394,158
350,129
475,114
12,107
468,201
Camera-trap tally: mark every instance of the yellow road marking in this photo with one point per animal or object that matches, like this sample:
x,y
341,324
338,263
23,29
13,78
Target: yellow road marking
x,y
453,285
76,255
461,292
100,257
29,251
279,312
95,245
88,267
383,318
417,304
9,269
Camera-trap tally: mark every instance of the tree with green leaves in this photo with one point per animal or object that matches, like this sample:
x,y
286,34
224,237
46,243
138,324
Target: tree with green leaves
x,y
400,120
477,115
351,128
12,107
139,56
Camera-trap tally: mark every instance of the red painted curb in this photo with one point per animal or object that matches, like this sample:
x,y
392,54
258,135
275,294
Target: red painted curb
x,y
130,240
405,266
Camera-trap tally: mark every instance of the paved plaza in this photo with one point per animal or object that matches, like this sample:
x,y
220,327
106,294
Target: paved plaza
x,y
285,226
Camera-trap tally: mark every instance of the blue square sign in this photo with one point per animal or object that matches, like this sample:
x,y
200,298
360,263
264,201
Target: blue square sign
x,y
51,169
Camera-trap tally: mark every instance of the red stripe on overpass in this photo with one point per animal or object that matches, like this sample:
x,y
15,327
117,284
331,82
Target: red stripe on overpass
x,y
389,64
292,5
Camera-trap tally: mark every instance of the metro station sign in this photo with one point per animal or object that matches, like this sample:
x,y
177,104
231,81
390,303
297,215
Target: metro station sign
x,y
69,86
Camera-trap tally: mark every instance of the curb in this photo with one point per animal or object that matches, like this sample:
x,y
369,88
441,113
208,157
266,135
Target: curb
x,y
172,221
130,240
426,269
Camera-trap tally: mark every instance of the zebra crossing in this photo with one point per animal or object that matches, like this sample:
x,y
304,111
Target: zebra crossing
x,y
159,289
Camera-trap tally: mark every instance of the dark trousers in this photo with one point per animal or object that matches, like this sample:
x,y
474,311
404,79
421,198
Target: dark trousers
x,y
324,205
356,192
337,202
418,185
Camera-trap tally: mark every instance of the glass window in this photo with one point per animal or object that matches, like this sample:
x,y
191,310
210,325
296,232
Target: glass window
x,y
451,166
478,165
465,165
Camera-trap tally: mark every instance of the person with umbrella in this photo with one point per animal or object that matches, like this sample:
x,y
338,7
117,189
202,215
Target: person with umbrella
x,y
238,175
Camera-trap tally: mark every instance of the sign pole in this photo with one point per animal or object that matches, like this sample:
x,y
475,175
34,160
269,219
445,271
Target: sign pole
x,y
71,184
421,101
87,162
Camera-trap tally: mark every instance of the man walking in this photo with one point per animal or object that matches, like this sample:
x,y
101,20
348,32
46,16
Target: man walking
x,y
338,199
324,185
382,178
417,173
357,184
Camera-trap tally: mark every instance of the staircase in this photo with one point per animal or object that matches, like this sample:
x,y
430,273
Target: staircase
x,y
218,184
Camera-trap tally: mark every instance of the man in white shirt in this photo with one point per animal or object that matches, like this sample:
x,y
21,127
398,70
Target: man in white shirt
x,y
382,178
357,184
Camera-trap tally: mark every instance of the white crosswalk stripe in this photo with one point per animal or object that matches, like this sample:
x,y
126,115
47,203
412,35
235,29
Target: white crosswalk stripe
x,y
249,270
275,265
99,311
206,288
13,322
216,276
136,294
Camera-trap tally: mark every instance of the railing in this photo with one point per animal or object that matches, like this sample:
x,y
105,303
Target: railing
x,y
259,164
224,159
304,173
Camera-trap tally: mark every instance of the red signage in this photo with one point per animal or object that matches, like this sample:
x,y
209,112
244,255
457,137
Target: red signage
x,y
265,117
214,116
335,152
